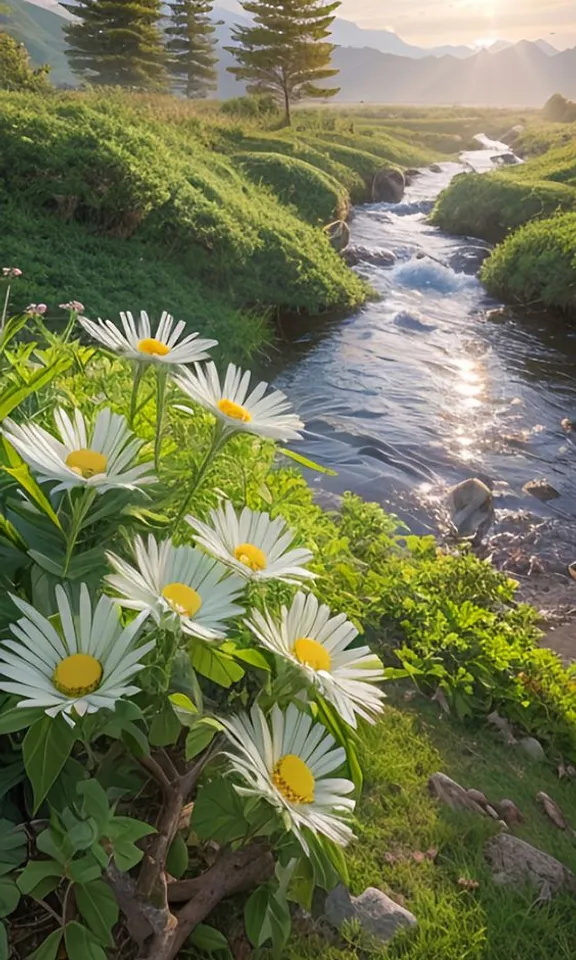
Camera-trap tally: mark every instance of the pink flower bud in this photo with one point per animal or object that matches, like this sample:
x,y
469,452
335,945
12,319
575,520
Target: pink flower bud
x,y
36,309
11,272
74,305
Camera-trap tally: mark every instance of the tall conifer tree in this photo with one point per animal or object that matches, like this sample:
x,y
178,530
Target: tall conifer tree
x,y
192,47
286,51
117,42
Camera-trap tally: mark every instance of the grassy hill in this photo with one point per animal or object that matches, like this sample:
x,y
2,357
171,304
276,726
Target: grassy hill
x,y
41,31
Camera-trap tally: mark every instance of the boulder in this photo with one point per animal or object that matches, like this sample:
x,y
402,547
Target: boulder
x,y
377,914
471,508
377,257
435,168
338,234
516,862
410,176
533,749
541,489
505,160
388,186
512,134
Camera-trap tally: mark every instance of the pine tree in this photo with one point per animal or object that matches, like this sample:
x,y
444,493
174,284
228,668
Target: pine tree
x,y
191,47
286,51
117,42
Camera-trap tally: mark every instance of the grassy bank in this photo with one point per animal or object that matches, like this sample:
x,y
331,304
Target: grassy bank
x,y
117,198
431,859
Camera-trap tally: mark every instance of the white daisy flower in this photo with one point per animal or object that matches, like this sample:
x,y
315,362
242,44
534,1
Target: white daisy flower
x,y
266,416
83,667
319,645
179,583
138,342
102,457
253,544
285,761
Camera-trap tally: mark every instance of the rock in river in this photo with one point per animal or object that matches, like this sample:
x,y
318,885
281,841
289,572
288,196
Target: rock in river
x,y
377,257
377,914
388,186
541,489
471,508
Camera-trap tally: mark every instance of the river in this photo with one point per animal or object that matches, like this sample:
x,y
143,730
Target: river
x,y
425,387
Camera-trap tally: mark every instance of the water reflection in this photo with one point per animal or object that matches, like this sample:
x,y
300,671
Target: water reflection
x,y
421,390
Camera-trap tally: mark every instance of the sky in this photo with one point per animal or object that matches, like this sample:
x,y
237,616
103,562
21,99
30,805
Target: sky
x,y
430,23
433,22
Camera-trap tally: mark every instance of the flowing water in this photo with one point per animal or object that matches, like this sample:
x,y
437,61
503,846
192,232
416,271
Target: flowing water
x,y
425,387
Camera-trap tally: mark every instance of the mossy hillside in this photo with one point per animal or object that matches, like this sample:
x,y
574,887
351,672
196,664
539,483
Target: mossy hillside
x,y
491,206
536,265
125,177
380,144
558,164
318,197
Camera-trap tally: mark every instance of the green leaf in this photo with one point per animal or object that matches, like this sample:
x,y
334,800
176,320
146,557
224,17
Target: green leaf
x,y
15,395
9,896
209,940
4,948
9,532
13,846
178,857
253,657
24,479
305,462
18,718
35,872
12,326
165,727
267,917
123,833
46,748
99,908
95,802
218,812
50,948
215,666
85,869
201,735
184,708
10,776
80,944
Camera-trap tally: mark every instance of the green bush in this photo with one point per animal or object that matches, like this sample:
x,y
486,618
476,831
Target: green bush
x,y
557,165
99,163
490,206
15,70
537,264
559,110
317,196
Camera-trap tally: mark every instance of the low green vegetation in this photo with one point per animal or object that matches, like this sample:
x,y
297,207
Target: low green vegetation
x,y
317,196
493,205
536,265
431,859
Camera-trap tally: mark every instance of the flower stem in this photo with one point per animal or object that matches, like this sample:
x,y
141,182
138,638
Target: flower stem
x,y
5,308
161,377
138,374
219,438
79,511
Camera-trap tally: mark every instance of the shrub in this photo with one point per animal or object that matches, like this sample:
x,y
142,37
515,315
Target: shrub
x,y
559,110
537,264
490,206
256,107
317,196
15,70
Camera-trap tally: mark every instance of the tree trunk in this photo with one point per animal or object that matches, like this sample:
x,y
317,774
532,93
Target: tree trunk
x,y
287,109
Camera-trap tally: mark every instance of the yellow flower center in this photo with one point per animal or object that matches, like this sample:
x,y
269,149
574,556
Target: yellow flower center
x,y
153,347
77,675
294,779
87,463
183,600
312,653
234,410
251,556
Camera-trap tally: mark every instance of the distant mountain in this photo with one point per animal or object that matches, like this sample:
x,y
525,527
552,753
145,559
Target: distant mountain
x,y
348,34
519,76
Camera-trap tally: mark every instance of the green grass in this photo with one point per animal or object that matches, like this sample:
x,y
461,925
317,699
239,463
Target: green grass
x,y
317,196
536,265
491,206
398,818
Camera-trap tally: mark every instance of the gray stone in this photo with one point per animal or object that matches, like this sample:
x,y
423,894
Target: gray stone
x,y
377,914
471,508
377,257
541,489
435,168
533,748
516,862
388,186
